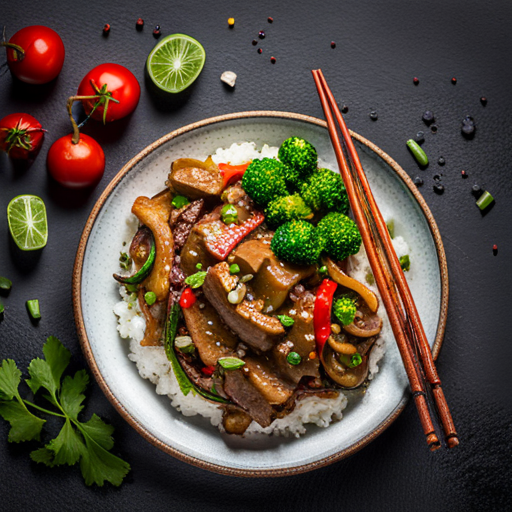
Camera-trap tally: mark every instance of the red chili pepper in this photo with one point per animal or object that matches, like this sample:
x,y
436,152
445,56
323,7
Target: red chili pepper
x,y
322,313
208,370
220,243
232,173
187,298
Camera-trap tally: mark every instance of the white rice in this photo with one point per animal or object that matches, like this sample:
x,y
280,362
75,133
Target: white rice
x,y
152,362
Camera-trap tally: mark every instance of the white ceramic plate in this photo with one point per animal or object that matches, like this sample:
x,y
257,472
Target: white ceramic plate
x,y
194,440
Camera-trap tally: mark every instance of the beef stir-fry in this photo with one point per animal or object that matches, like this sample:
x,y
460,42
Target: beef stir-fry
x,y
240,273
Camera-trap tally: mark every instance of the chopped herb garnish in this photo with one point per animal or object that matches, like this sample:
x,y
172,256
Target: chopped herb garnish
x,y
196,280
179,202
1,309
5,284
391,228
231,363
355,360
199,266
87,443
131,288
294,358
33,309
484,200
234,269
322,270
405,263
125,262
150,298
286,320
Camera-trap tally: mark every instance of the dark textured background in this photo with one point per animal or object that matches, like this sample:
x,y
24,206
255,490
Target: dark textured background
x,y
381,46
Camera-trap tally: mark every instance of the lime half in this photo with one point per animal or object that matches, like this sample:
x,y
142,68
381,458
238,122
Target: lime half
x,y
26,215
175,62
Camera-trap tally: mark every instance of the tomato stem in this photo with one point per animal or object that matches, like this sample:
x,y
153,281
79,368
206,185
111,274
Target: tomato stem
x,y
76,132
18,50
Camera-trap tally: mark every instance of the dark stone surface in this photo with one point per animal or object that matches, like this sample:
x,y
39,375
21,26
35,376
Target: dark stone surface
x,y
380,48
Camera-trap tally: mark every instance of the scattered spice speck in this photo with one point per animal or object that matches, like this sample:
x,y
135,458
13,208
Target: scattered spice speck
x,y
495,249
418,181
483,100
273,60
476,190
106,29
344,109
415,80
420,137
428,117
454,80
270,19
463,173
231,22
333,45
156,32
468,127
433,128
437,177
441,161
260,51
373,115
254,42
438,188
261,34
140,24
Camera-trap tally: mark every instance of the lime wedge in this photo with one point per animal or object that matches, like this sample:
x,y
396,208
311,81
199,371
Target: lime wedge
x,y
175,62
26,215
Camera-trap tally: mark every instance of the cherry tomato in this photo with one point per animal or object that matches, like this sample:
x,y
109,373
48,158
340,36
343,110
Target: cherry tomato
x,y
76,165
43,55
107,82
21,136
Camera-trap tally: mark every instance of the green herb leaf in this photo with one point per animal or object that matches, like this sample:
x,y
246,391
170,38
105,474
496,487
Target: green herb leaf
x,y
179,202
71,394
10,378
286,320
99,431
196,280
24,425
41,376
43,456
231,363
67,447
405,263
57,356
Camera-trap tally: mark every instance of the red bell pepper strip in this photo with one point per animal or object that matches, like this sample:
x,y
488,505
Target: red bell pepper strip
x,y
208,370
187,298
232,173
220,243
322,313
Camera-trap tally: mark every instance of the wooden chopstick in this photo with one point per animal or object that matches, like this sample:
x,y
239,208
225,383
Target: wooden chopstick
x,y
397,298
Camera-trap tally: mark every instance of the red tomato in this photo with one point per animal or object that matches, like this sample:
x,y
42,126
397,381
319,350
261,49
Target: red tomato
x,y
76,165
109,81
43,54
21,136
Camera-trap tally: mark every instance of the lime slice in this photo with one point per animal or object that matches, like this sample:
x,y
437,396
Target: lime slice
x,y
26,215
175,62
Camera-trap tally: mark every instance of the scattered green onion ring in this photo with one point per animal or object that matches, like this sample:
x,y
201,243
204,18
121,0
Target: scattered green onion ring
x,y
484,200
286,320
33,309
229,214
418,153
5,284
179,202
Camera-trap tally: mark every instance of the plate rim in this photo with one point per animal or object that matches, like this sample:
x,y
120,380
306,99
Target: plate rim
x,y
88,353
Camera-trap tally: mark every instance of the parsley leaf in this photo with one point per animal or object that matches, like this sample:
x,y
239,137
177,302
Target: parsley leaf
x,y
87,443
196,280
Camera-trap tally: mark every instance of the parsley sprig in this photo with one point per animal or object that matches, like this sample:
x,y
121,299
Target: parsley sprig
x,y
85,442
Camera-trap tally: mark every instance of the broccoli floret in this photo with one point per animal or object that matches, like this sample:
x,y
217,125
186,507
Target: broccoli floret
x,y
284,209
300,156
345,309
324,190
339,235
297,242
263,180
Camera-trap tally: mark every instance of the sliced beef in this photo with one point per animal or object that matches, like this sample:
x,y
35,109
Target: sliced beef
x,y
245,395
251,330
194,252
184,222
210,336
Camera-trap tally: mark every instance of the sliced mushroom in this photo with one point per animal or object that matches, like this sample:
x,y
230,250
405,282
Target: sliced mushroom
x,y
366,323
195,179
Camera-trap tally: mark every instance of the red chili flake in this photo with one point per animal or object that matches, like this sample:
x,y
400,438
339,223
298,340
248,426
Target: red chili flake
x,y
273,60
260,50
454,80
208,370
415,80
157,32
270,20
495,249
139,24
463,173
333,45
106,29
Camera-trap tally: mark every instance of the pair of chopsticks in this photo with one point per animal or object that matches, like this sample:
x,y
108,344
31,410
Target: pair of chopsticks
x,y
394,290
